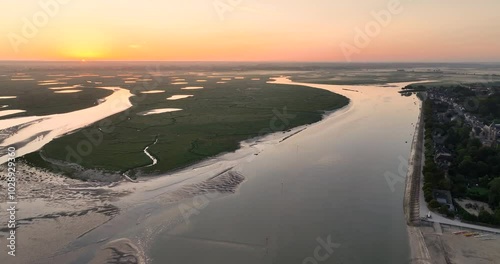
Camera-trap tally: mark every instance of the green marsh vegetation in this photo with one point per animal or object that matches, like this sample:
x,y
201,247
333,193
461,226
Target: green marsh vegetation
x,y
214,121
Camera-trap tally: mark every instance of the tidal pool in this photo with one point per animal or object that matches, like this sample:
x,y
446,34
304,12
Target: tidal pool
x,y
153,92
178,97
67,91
192,88
159,111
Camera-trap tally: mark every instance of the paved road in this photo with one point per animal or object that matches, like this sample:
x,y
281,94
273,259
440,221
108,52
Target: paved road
x,y
443,220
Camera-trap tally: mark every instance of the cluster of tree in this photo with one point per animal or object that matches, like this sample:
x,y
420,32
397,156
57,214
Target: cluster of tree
x,y
441,208
489,108
434,177
484,216
458,91
494,195
479,163
474,171
414,87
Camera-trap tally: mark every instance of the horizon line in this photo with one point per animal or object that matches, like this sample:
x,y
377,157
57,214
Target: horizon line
x,y
247,61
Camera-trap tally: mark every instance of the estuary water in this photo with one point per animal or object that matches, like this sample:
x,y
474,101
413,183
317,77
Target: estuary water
x,y
317,194
33,132
321,196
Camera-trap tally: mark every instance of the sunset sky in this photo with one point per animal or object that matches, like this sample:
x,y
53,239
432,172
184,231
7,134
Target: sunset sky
x,y
248,30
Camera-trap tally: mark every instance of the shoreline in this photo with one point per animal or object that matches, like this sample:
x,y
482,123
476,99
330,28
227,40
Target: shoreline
x,y
419,253
69,202
431,240
412,183
126,195
57,202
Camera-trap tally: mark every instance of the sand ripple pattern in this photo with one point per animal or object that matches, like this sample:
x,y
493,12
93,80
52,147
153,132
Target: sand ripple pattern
x,y
226,183
120,251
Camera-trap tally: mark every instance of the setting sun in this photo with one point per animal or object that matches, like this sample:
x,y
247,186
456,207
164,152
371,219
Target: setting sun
x,y
246,30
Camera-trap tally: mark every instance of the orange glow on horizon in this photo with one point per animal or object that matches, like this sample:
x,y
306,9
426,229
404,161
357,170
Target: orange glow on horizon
x,y
193,30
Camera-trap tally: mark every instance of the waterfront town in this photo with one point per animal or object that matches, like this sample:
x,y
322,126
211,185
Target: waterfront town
x,y
462,137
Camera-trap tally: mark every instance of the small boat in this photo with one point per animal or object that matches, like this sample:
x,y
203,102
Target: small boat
x,y
459,232
471,234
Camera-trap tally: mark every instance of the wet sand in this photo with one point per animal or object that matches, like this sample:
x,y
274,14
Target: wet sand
x,y
140,207
49,201
53,210
11,112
